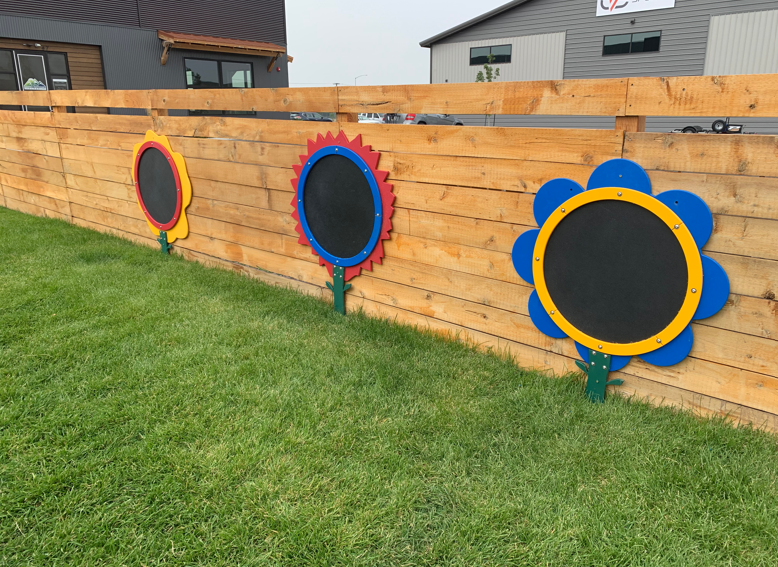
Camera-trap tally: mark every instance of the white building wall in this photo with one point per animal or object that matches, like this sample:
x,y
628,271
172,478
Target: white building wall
x,y
533,58
740,44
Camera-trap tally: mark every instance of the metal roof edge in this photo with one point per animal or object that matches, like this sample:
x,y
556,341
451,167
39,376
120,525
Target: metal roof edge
x,y
468,23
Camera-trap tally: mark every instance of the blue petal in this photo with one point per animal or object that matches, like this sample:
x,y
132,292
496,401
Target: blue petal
x,y
693,211
522,252
715,289
617,362
673,352
542,319
620,173
551,195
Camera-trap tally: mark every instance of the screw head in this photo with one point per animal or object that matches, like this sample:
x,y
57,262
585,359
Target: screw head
x,y
659,341
553,312
676,227
619,193
604,367
599,347
563,210
694,290
605,356
537,258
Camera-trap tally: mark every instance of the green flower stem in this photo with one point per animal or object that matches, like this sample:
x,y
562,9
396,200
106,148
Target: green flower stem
x,y
339,288
597,372
162,239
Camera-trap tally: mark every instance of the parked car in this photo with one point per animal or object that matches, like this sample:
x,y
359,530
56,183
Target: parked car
x,y
370,118
314,117
718,127
436,119
295,116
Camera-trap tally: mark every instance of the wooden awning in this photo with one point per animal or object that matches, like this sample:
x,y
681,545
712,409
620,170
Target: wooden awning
x,y
175,40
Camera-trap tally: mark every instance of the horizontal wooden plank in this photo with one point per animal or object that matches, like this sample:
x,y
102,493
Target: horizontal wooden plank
x,y
753,277
30,145
95,155
13,130
33,186
115,99
137,239
725,194
241,174
588,147
100,139
32,209
251,217
101,187
251,237
26,118
266,99
728,95
729,154
31,98
272,199
56,205
33,160
755,238
33,173
106,204
258,130
104,122
591,97
114,173
275,155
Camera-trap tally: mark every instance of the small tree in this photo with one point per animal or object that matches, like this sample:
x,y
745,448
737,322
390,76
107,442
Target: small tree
x,y
488,75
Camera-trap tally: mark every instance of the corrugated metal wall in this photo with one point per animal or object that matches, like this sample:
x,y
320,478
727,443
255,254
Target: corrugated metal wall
x,y
259,20
682,51
119,12
743,43
534,58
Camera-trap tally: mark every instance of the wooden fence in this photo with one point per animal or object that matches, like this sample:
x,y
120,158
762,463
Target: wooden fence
x,y
463,196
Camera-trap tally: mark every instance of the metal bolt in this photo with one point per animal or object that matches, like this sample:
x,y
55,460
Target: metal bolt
x,y
694,290
676,227
619,193
563,210
552,312
537,259
336,149
605,356
659,341
604,367
619,175
599,347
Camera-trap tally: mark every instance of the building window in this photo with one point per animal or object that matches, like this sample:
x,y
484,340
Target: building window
x,y
34,71
499,53
208,74
631,43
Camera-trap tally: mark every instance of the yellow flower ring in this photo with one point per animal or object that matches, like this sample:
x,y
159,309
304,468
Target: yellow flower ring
x,y
162,188
619,270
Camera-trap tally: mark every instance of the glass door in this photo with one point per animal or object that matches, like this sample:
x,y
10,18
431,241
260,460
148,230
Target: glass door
x,y
31,69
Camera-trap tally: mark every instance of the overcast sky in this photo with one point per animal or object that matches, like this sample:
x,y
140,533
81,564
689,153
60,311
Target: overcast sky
x,y
334,41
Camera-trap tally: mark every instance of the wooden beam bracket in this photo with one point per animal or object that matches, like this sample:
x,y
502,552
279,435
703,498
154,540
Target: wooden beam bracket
x,y
167,45
272,62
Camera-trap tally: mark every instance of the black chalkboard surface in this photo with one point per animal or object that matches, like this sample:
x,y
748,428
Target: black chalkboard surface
x,y
615,271
157,185
338,206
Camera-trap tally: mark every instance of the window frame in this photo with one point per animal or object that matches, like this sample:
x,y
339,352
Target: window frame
x,y
490,53
631,35
221,86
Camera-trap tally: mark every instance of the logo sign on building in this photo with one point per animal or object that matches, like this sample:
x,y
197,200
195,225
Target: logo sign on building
x,y
612,7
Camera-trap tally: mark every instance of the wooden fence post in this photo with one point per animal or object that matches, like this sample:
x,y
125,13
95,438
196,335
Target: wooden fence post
x,y
631,123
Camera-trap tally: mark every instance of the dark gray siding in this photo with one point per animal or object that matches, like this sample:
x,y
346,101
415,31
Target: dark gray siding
x,y
258,20
120,12
131,56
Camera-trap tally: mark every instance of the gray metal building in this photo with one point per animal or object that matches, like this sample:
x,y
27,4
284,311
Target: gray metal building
x,y
142,44
579,39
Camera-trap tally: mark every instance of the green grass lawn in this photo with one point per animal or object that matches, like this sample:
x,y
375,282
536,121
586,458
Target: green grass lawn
x,y
157,412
